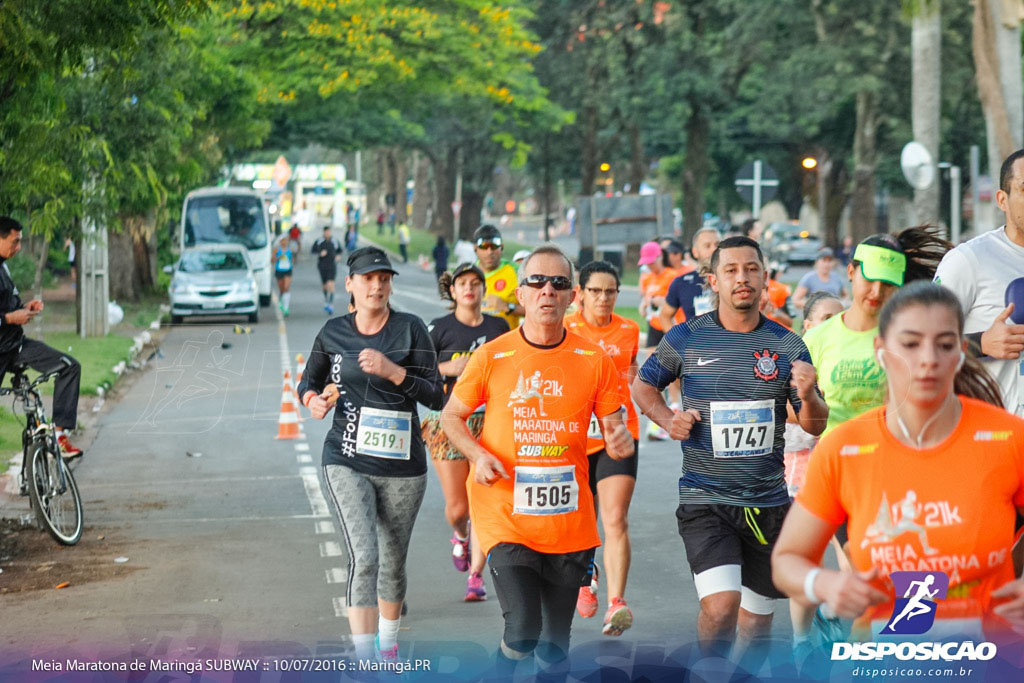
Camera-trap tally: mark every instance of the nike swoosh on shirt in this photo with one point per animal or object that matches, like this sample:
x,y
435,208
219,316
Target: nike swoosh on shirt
x,y
701,362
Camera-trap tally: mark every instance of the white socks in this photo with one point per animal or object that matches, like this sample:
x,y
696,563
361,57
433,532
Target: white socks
x,y
387,630
286,299
363,643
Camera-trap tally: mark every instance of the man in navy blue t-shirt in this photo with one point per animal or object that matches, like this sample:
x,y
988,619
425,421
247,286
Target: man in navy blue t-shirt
x,y
689,292
739,370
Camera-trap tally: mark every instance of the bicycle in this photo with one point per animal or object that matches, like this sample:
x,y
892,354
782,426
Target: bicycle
x,y
45,478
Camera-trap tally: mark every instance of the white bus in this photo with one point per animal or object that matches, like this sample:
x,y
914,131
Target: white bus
x,y
233,215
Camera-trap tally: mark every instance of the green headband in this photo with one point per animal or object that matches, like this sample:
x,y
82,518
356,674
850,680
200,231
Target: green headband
x,y
879,263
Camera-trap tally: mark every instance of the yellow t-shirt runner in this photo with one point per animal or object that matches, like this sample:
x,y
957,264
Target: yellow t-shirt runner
x,y
539,402
502,282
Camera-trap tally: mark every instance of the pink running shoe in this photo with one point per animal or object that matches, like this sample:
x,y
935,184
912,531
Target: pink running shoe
x,y
460,553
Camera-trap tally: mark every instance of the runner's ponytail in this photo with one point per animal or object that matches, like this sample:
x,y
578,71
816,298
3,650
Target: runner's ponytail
x,y
444,283
924,247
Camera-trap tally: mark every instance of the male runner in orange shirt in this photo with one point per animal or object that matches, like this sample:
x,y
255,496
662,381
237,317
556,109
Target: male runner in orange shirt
x,y
529,495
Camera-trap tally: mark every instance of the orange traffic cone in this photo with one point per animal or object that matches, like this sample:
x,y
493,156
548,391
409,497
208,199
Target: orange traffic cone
x,y
301,368
295,394
288,423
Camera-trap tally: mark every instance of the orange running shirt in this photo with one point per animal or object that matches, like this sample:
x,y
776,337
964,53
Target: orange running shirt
x,y
539,402
950,508
652,285
778,292
620,339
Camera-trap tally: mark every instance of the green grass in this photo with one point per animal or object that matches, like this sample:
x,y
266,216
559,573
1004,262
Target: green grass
x,y
139,314
633,314
421,242
10,435
97,355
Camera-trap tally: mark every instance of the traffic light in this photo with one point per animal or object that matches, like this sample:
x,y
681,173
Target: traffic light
x,y
809,163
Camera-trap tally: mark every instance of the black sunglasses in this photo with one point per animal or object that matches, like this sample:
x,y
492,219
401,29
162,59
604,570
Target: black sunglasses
x,y
559,282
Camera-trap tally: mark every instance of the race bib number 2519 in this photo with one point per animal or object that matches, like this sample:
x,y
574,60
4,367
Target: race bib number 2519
x,y
384,433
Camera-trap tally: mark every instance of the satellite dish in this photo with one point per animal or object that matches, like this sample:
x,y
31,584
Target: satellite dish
x,y
918,166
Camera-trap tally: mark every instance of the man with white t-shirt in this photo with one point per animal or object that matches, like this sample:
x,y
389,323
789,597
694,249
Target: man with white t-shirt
x,y
987,275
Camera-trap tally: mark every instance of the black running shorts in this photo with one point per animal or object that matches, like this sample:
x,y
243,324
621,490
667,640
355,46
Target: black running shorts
x,y
603,466
718,535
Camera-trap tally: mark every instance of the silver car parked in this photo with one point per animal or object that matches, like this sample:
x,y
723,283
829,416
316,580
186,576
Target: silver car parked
x,y
213,279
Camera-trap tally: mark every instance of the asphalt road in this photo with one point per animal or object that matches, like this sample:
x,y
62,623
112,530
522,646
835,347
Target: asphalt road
x,y
235,551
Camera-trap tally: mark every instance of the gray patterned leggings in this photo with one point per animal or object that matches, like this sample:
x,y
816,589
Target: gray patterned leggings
x,y
377,515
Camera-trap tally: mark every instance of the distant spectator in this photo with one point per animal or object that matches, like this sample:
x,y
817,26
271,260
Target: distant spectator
x,y
440,254
464,252
822,279
519,257
380,222
846,251
752,228
403,241
674,252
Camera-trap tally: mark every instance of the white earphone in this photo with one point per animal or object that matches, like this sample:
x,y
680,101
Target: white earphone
x,y
959,364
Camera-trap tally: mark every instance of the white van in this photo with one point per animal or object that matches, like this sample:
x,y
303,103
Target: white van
x,y
231,215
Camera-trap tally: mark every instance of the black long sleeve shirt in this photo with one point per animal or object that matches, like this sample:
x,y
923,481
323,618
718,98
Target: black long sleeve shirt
x,y
335,358
11,335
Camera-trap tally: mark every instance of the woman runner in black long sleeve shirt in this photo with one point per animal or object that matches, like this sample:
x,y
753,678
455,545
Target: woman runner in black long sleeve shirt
x,y
376,364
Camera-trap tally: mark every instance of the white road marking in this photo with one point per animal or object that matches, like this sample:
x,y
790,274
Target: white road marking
x,y
330,549
311,482
317,502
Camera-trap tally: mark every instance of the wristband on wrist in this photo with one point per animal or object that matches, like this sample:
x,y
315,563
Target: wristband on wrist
x,y
809,593
308,397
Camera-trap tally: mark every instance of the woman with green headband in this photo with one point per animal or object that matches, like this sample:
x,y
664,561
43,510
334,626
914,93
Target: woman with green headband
x,y
842,348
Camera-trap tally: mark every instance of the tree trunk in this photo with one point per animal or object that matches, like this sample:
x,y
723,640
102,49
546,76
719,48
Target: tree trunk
x,y
637,167
374,185
132,250
926,100
588,151
835,200
401,182
695,175
863,218
444,185
423,194
472,205
997,62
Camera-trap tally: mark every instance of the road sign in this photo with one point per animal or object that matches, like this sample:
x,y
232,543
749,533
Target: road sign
x,y
630,219
456,208
282,172
757,183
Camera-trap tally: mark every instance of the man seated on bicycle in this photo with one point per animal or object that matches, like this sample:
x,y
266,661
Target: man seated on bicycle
x,y
15,347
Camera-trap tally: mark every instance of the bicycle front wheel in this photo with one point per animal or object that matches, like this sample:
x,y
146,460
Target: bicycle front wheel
x,y
54,494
